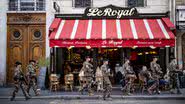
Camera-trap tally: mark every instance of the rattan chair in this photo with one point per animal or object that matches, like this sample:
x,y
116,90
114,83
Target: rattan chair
x,y
69,81
54,82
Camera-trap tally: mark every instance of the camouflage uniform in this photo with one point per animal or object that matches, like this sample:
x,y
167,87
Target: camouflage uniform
x,y
107,86
174,77
146,77
19,82
32,79
88,74
129,77
156,74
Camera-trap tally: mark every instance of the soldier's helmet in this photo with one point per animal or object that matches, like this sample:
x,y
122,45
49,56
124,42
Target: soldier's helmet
x,y
105,60
32,61
87,57
18,63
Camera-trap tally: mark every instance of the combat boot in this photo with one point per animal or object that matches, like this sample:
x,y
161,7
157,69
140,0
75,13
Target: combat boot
x,y
91,94
12,98
27,98
179,92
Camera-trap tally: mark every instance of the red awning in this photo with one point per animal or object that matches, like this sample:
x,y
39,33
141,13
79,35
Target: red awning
x,y
111,33
168,23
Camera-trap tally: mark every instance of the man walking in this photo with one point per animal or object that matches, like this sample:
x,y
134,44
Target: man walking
x,y
129,76
19,81
88,74
174,76
107,86
156,73
31,72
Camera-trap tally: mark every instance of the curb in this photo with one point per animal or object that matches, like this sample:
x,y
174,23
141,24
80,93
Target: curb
x,y
75,97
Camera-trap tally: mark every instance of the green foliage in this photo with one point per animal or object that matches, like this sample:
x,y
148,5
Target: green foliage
x,y
44,62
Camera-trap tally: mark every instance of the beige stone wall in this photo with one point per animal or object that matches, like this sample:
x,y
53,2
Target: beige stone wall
x,y
179,41
152,6
180,2
3,9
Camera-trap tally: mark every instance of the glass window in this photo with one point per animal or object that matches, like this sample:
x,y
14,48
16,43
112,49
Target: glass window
x,y
82,3
136,3
13,5
40,5
26,5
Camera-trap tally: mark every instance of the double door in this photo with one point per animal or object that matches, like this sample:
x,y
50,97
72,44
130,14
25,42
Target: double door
x,y
24,42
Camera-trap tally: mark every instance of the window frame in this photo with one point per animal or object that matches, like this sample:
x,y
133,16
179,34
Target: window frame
x,y
145,4
20,7
73,4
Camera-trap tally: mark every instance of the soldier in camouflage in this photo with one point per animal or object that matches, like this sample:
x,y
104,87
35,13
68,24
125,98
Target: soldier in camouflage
x,y
156,74
88,75
129,76
19,82
146,77
31,73
107,86
174,76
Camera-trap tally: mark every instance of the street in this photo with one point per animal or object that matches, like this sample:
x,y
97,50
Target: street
x,y
99,101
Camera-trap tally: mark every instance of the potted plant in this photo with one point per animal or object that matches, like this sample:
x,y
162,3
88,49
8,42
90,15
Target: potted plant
x,y
43,63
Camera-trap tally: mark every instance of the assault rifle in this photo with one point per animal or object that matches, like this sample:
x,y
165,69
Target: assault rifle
x,y
23,77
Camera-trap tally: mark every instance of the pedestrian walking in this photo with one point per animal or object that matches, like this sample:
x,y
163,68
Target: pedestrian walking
x,y
174,76
129,77
88,76
147,79
99,79
156,72
19,81
107,86
32,77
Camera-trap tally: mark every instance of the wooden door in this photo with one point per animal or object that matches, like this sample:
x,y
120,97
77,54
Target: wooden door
x,y
36,42
24,43
16,48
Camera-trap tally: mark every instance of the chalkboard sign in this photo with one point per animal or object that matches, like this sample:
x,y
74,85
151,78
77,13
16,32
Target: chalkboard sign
x,y
41,77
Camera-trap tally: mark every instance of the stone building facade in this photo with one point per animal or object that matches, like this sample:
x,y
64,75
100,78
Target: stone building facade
x,y
180,26
65,7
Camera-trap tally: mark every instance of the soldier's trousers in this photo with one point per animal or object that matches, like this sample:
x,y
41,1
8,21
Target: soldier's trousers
x,y
33,84
130,81
20,84
174,81
107,88
89,84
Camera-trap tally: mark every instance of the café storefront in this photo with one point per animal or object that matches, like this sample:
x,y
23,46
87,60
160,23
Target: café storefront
x,y
110,32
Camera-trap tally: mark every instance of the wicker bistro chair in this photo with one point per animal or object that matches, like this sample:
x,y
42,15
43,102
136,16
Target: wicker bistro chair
x,y
69,81
54,82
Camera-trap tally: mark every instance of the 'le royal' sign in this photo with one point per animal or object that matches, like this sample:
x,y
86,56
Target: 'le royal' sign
x,y
110,11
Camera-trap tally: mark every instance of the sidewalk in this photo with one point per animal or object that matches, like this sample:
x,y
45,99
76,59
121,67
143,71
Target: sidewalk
x,y
5,93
